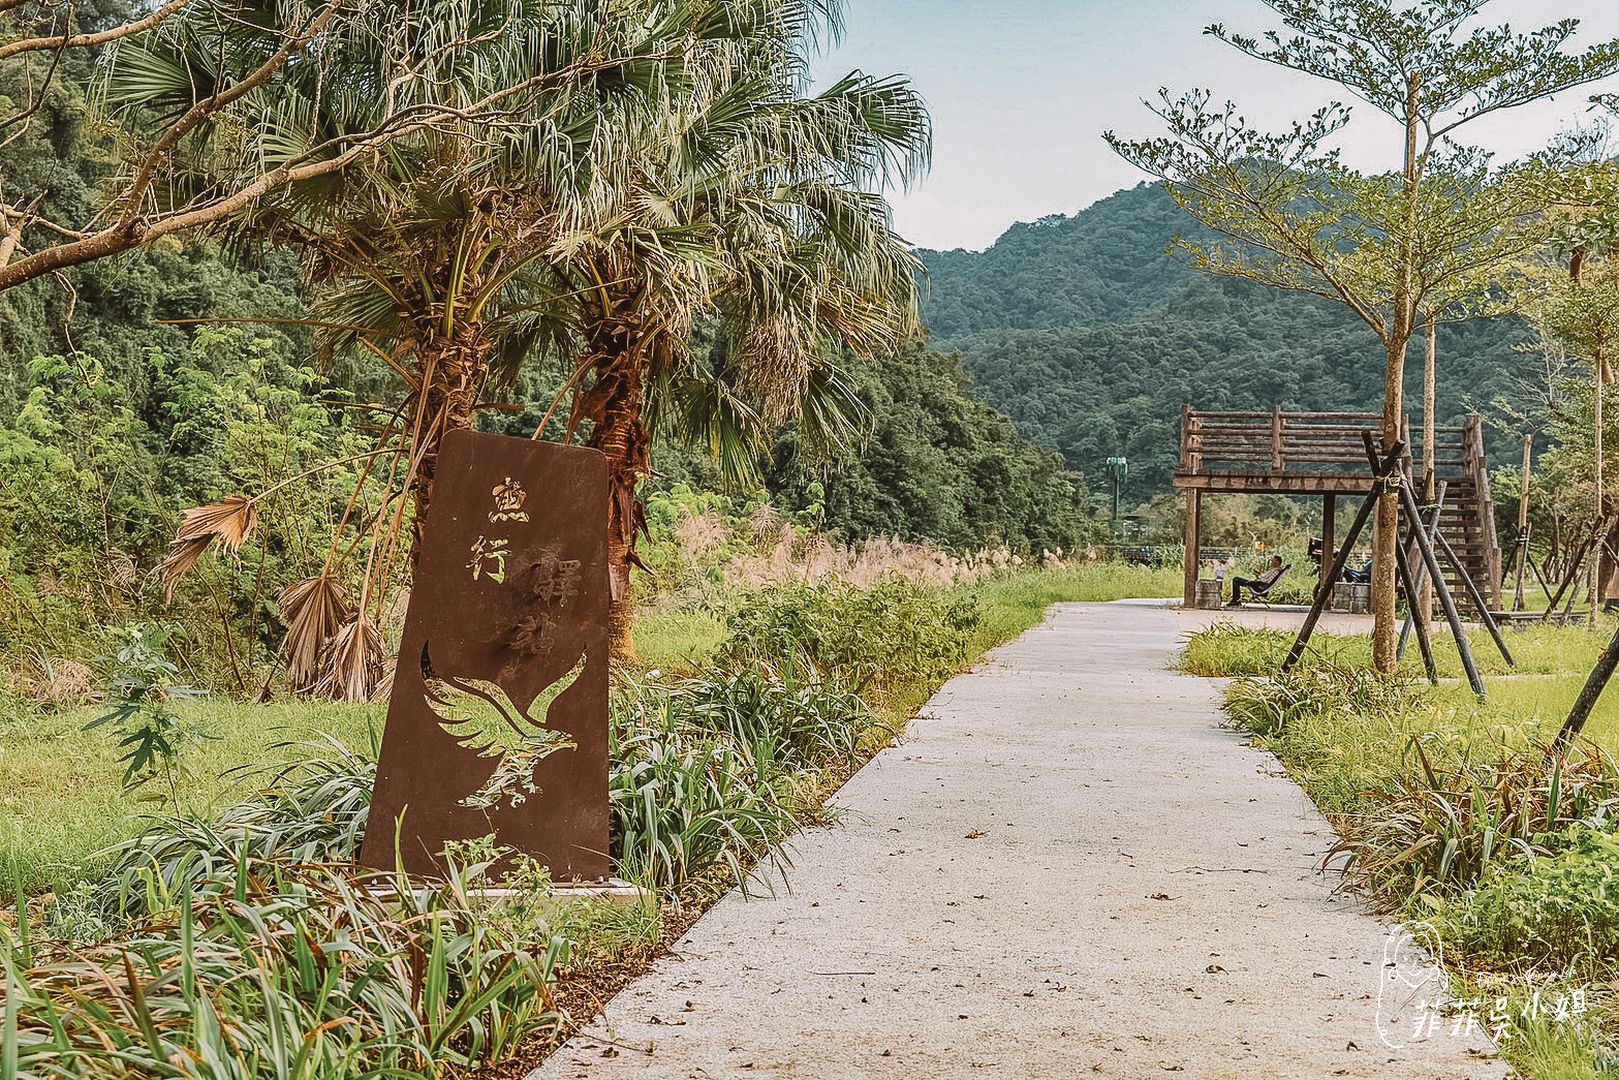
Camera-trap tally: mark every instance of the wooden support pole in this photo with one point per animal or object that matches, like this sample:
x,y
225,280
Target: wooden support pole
x,y
1540,577
1523,521
1329,550
1389,466
1408,499
1478,600
1409,586
1413,612
1589,694
1194,509
1580,554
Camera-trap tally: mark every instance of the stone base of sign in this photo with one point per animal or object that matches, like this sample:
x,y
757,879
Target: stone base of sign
x,y
613,891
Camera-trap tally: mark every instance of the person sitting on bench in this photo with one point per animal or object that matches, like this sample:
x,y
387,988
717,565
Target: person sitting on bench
x,y
1260,586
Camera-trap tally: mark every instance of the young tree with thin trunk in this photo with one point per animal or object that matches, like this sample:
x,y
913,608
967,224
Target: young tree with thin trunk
x,y
1285,211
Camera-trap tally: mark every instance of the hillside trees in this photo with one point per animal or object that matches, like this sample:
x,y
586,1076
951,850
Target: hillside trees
x,y
1286,212
937,465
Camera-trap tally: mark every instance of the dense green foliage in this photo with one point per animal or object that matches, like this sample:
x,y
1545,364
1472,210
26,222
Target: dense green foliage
x,y
938,465
1091,337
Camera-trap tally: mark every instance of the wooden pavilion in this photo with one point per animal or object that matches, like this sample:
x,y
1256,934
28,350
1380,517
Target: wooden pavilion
x,y
1300,453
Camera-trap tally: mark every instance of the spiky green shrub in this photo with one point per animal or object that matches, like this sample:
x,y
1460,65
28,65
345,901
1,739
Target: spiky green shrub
x,y
1443,827
1269,705
312,810
1228,649
710,775
782,725
279,970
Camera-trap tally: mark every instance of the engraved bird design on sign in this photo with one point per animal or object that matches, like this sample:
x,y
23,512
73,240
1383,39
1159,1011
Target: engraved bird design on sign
x,y
483,718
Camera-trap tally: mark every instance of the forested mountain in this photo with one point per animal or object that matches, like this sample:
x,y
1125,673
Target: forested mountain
x,y
1091,337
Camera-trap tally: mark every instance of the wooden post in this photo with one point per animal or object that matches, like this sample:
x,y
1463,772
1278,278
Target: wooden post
x,y
1580,553
1329,549
1194,510
1409,586
1276,458
1409,499
1191,441
1594,685
1478,600
1389,466
1523,521
1422,613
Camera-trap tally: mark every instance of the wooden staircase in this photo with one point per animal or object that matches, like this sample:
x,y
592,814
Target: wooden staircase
x,y
1468,520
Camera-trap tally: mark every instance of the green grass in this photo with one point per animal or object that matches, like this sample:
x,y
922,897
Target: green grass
x,y
1228,650
60,796
681,640
61,800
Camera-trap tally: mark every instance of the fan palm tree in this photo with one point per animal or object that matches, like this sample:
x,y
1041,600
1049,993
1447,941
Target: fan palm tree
x,y
708,186
411,244
753,204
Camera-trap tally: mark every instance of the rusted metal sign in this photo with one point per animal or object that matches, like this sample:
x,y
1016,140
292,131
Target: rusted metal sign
x,y
497,721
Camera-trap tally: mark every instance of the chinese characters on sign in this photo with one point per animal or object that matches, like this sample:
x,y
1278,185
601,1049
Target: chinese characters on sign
x,y
497,720
489,558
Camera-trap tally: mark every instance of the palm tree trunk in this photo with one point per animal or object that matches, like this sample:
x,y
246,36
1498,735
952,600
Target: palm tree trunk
x,y
616,403
453,374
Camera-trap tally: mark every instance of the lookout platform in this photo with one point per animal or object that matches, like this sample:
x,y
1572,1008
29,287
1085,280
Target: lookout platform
x,y
1322,454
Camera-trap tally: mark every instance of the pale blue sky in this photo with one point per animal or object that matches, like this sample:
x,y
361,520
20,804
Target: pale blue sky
x,y
1021,91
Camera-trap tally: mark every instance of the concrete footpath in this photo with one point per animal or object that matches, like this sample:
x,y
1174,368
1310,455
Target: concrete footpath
x,y
1067,868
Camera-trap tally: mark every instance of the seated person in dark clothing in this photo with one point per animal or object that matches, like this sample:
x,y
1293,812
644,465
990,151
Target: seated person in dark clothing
x,y
1260,585
1361,576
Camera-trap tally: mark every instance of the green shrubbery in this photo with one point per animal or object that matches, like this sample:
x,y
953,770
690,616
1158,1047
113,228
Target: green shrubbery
x,y
711,774
1458,813
891,636
278,969
1559,912
1439,828
245,941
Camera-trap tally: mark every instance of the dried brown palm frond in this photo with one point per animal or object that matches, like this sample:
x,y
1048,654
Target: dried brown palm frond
x,y
230,521
353,662
121,569
313,610
777,367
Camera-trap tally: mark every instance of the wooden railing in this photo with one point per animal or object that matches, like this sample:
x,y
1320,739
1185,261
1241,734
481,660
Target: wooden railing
x,y
1300,442
1274,441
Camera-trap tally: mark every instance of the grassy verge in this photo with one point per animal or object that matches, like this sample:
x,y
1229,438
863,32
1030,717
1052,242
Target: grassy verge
x,y
1227,649
1452,813
60,796
732,730
61,800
